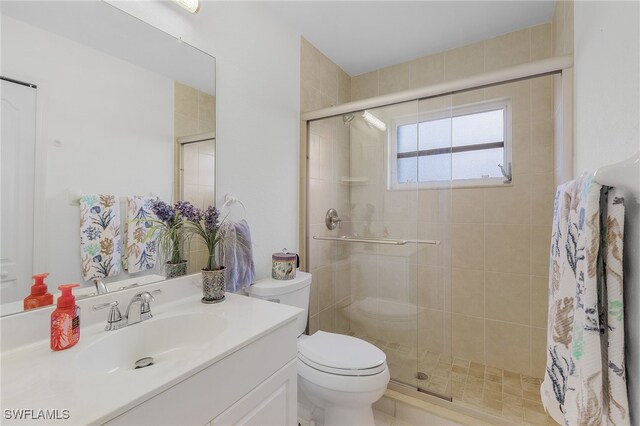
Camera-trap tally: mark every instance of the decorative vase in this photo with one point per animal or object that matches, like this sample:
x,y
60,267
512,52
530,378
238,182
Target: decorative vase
x,y
173,270
213,285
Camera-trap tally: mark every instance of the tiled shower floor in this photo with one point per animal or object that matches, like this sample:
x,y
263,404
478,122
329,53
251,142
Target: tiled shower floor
x,y
512,396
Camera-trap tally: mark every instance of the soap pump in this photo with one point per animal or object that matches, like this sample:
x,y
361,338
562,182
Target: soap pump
x,y
40,295
65,320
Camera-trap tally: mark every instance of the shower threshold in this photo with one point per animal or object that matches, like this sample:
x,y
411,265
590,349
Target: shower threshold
x,y
412,390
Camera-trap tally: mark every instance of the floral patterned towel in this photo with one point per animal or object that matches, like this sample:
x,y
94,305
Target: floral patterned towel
x,y
140,252
100,244
585,381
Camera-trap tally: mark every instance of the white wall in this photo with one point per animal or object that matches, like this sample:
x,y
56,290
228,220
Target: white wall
x,y
257,107
114,124
607,118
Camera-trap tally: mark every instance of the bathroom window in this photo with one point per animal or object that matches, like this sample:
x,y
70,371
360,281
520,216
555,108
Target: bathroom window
x,y
469,145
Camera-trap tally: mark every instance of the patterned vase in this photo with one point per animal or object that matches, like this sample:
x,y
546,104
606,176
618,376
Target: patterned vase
x,y
173,270
213,285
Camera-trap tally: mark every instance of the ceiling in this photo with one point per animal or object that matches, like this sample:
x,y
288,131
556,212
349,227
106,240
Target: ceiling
x,y
362,36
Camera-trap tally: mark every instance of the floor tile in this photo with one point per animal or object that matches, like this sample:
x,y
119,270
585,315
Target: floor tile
x,y
511,396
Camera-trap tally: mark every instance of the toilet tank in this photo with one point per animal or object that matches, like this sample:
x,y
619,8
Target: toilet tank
x,y
294,292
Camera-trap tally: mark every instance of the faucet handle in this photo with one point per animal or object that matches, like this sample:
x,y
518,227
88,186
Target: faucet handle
x,y
332,220
114,320
126,287
100,306
147,297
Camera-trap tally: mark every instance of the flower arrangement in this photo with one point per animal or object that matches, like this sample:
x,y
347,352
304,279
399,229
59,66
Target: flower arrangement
x,y
170,227
206,226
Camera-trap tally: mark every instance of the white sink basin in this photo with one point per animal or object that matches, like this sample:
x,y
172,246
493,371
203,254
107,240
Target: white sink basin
x,y
165,339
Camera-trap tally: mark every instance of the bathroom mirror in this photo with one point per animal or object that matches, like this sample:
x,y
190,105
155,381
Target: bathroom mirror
x,y
94,101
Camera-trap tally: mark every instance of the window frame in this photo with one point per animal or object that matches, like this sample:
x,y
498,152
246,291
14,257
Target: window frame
x,y
456,111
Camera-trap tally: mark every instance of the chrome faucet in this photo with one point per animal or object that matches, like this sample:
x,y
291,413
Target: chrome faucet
x,y
101,287
141,308
138,310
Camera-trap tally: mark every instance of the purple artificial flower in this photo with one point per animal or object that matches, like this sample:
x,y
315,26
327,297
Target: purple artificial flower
x,y
164,212
211,219
189,211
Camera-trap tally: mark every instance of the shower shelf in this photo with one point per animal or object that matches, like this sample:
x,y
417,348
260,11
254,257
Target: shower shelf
x,y
369,240
354,179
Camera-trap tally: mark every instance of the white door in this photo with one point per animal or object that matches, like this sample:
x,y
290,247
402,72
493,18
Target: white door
x,y
197,170
17,173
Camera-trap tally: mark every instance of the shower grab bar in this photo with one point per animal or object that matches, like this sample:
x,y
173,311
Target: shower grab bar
x,y
369,240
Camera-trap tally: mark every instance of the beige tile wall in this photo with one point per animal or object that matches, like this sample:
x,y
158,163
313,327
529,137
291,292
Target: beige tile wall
x,y
562,29
195,113
507,50
562,23
492,303
323,84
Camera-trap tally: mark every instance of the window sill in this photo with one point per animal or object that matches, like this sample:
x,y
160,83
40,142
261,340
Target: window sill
x,y
456,184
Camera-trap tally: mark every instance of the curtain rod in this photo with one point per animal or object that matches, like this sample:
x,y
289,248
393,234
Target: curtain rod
x,y
492,78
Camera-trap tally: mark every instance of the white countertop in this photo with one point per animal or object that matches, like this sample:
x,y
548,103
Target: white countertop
x,y
34,377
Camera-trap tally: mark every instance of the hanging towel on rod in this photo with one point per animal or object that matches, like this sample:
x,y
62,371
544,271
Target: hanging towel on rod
x,y
236,255
585,380
100,242
140,251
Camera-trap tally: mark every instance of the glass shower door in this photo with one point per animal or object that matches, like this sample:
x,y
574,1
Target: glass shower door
x,y
390,287
384,276
432,160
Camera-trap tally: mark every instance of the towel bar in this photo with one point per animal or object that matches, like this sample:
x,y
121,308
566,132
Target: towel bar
x,y
369,240
231,199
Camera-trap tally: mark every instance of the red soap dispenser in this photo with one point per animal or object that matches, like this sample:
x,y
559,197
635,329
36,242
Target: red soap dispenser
x,y
39,295
65,320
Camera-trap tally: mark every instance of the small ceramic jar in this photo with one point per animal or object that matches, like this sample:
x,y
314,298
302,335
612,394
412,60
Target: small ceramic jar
x,y
284,265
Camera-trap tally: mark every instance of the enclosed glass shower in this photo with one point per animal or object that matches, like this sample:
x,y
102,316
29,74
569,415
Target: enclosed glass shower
x,y
436,245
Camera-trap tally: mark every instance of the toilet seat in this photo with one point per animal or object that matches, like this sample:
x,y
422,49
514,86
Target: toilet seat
x,y
341,355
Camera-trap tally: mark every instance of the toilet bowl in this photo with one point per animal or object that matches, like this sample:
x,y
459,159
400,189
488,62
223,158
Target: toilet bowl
x,y
339,376
342,375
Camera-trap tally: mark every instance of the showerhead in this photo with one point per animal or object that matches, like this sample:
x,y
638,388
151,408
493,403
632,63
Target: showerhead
x,y
373,121
370,119
347,118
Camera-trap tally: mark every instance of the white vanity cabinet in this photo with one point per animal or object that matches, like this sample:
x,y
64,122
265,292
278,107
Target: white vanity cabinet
x,y
256,384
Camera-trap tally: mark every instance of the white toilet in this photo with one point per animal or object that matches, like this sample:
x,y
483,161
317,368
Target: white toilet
x,y
339,376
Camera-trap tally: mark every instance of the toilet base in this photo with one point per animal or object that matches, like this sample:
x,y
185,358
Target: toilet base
x,y
348,416
332,407
309,415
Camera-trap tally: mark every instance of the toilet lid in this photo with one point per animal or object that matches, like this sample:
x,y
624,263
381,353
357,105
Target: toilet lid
x,y
341,354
